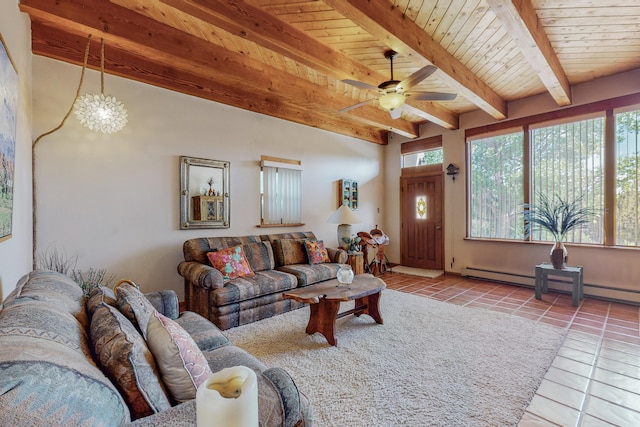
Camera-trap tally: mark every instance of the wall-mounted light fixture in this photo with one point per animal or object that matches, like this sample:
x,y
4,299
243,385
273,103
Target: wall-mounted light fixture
x,y
452,170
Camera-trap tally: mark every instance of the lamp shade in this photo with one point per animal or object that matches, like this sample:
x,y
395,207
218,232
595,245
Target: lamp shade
x,y
344,215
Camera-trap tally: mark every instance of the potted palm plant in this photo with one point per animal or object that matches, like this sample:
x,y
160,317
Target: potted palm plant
x,y
558,217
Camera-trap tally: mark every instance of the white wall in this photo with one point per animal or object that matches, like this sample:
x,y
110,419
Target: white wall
x,y
611,267
113,199
15,252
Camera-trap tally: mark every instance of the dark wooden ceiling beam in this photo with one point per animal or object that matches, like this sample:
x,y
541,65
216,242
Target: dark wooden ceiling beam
x,y
388,23
52,43
146,38
247,21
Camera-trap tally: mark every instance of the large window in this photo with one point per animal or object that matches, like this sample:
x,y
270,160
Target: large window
x,y
594,160
497,192
567,160
627,179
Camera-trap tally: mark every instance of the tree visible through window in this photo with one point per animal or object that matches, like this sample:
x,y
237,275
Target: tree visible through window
x,y
567,160
497,192
427,157
627,179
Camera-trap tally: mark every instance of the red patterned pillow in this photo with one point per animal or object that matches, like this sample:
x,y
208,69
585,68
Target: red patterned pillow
x,y
316,252
231,262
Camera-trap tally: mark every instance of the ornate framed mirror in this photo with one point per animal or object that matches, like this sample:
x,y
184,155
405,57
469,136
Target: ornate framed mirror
x,y
204,193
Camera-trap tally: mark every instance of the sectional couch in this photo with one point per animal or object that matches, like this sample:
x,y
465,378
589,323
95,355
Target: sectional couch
x,y
278,263
71,360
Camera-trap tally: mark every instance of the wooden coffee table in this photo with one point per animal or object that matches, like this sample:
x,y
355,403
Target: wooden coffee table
x,y
325,298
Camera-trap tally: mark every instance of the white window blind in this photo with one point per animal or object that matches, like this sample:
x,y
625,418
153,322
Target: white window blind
x,y
281,193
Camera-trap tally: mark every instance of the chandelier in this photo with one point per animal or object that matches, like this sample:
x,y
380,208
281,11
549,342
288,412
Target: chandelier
x,y
98,112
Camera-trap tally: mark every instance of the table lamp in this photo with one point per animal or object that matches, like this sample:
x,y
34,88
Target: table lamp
x,y
344,216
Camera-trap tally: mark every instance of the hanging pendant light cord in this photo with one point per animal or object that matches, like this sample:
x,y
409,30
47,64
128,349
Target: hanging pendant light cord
x,y
102,66
84,67
33,157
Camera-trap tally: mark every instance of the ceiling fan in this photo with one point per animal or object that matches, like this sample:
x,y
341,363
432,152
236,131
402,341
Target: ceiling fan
x,y
394,93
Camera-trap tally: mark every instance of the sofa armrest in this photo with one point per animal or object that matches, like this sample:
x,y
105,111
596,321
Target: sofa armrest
x,y
199,274
166,302
338,255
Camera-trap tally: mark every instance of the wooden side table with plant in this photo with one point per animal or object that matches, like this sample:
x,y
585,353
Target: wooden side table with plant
x,y
356,261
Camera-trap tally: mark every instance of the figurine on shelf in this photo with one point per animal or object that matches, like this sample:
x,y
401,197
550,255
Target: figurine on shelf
x,y
210,182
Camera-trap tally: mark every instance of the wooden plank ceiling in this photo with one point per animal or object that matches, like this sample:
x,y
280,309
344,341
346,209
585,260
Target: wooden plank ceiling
x,y
288,58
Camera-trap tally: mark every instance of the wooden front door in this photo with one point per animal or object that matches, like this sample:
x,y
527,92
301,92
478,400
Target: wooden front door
x,y
421,242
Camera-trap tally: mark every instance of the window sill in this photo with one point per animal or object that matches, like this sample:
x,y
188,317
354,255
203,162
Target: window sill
x,y
298,224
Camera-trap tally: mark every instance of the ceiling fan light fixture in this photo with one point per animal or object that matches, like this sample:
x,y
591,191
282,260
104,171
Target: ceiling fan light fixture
x,y
391,101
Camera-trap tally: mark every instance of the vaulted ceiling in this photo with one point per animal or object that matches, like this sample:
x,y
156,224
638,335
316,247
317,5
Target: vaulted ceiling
x,y
289,58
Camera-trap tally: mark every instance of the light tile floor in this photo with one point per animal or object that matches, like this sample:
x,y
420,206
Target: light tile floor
x,y
594,379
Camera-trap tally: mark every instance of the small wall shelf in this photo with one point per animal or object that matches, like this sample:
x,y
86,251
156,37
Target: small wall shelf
x,y
208,208
348,190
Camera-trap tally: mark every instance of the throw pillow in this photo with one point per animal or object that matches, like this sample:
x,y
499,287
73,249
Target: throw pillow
x,y
316,252
135,306
97,295
290,251
125,358
260,256
181,363
231,262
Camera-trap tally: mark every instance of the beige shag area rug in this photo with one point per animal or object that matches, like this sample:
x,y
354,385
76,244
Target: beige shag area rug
x,y
431,274
430,363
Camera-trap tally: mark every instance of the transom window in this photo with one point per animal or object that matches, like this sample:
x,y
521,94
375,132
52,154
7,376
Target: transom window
x,y
423,158
422,152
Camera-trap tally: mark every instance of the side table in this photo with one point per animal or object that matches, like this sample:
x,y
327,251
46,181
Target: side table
x,y
544,270
356,261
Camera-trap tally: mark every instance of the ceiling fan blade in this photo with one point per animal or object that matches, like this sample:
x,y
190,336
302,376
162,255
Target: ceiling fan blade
x,y
416,78
360,85
431,96
359,104
396,112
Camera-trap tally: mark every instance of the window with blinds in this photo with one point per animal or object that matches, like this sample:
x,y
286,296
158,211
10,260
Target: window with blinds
x,y
497,189
627,179
281,192
567,160
593,160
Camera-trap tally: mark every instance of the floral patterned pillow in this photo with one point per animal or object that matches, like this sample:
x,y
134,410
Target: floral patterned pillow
x,y
231,262
316,252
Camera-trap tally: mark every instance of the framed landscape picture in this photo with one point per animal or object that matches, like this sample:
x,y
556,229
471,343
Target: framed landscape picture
x,y
8,111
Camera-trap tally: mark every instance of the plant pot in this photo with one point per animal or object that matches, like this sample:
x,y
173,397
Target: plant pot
x,y
559,255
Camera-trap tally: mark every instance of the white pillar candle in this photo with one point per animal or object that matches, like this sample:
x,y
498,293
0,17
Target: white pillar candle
x,y
228,398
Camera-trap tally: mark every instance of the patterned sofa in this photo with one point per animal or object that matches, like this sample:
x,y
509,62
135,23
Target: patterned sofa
x,y
279,262
71,360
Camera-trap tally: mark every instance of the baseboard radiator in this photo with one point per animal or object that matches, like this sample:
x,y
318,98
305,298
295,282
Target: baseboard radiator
x,y
630,296
499,276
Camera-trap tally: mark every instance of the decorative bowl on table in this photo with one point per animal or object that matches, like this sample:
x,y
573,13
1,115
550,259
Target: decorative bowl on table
x,y
345,275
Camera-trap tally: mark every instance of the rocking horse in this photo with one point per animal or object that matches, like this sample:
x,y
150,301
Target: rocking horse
x,y
375,239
